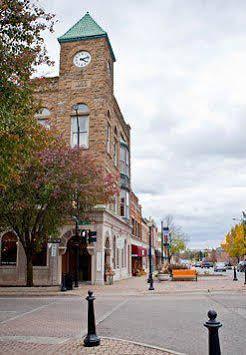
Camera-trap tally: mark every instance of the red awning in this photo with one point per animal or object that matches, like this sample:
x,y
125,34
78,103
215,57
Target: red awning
x,y
138,251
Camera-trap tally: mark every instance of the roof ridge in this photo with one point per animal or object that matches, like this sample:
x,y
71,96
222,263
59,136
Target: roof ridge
x,y
85,28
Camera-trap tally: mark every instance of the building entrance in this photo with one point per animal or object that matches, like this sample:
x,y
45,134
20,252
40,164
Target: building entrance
x,y
77,258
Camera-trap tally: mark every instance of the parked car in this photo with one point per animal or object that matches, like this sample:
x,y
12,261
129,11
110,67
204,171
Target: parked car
x,y
241,266
220,267
207,264
197,264
228,265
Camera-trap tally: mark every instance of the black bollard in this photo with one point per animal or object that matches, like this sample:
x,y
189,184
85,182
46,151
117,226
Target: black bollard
x,y
245,274
63,283
91,338
213,335
235,274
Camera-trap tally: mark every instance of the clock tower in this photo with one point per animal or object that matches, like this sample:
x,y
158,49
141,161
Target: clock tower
x,y
86,76
87,57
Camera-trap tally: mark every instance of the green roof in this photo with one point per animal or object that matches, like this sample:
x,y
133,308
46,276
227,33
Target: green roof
x,y
86,28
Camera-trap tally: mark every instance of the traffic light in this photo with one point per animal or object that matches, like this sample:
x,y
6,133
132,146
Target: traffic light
x,y
92,236
88,236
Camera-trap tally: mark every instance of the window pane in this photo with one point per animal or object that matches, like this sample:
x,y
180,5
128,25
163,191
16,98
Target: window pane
x,y
83,124
82,108
83,127
74,124
83,140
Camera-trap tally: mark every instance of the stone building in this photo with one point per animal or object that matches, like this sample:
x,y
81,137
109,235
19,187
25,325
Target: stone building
x,y
80,102
139,248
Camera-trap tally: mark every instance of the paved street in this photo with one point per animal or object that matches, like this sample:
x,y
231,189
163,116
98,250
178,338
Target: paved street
x,y
171,320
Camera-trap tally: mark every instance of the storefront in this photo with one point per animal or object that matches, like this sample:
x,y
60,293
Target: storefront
x,y
138,253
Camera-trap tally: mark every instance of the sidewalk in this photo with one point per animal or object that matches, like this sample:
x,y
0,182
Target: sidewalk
x,y
108,346
132,287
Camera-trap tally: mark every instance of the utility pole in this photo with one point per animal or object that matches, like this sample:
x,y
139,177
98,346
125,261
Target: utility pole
x,y
162,241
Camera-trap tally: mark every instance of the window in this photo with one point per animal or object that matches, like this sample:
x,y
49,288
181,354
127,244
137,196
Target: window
x,y
109,68
124,160
114,252
43,117
40,256
124,203
115,152
116,203
124,253
118,258
108,138
80,126
9,249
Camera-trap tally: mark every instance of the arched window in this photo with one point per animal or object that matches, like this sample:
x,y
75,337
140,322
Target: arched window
x,y
118,258
80,125
43,116
114,252
9,249
124,253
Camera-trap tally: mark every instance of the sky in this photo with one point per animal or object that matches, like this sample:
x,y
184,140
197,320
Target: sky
x,y
180,80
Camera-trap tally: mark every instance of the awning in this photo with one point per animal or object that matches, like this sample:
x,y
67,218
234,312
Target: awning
x,y
138,251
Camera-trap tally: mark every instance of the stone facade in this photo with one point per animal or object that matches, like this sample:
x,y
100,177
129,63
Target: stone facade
x,y
108,138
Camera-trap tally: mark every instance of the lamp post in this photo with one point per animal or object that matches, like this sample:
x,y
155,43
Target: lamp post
x,y
76,281
162,249
76,244
151,287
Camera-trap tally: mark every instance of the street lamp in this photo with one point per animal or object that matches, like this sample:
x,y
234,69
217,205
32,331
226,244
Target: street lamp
x,y
76,244
150,280
162,241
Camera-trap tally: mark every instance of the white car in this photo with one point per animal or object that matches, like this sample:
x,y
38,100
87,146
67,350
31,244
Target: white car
x,y
219,267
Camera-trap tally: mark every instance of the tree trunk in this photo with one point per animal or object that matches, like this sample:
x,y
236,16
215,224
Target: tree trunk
x,y
29,270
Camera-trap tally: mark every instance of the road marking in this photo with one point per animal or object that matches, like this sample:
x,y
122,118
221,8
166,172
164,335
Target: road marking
x,y
172,352
28,312
105,316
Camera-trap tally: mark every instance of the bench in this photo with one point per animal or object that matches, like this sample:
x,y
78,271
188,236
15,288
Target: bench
x,y
184,274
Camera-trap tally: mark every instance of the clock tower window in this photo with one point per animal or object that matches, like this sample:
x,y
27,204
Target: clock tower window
x,y
80,126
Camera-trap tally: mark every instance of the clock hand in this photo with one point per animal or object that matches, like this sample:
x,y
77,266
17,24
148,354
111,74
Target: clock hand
x,y
85,58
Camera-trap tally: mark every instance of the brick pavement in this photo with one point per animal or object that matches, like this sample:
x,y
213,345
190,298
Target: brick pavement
x,y
107,347
136,286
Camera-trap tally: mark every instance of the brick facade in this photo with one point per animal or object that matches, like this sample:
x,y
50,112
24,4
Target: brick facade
x,y
93,86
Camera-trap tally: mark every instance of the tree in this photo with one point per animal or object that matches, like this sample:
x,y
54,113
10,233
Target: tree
x,y
56,183
235,241
22,23
178,239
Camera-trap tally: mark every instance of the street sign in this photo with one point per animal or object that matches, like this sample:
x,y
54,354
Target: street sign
x,y
54,240
165,231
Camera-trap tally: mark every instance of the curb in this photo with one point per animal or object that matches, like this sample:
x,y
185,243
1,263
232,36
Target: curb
x,y
145,345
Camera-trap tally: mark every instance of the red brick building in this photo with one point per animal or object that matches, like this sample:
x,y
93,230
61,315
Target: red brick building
x,y
80,102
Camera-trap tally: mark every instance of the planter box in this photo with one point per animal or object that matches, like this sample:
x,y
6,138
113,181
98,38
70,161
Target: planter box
x,y
163,277
109,280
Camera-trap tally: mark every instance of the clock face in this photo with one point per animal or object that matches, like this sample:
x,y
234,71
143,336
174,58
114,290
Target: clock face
x,y
81,59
